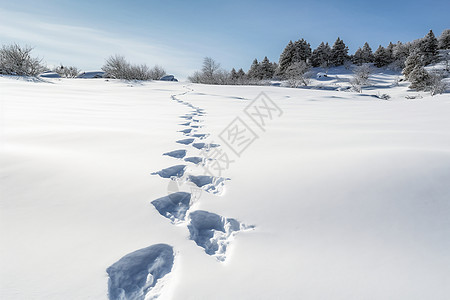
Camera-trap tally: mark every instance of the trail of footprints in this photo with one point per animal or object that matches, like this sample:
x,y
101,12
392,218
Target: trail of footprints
x,y
138,275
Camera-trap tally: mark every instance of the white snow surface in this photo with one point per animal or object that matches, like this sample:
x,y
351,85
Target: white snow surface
x,y
349,194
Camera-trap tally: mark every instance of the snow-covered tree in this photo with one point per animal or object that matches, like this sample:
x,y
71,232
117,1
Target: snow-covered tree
x,y
286,58
295,74
400,53
429,48
302,51
266,69
360,77
339,53
390,53
67,71
413,61
117,67
381,57
321,56
157,72
209,70
363,55
444,39
419,78
17,60
255,70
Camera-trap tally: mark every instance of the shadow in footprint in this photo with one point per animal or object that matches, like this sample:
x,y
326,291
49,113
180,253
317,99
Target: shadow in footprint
x,y
175,171
185,141
200,135
176,153
173,206
137,273
194,159
206,146
186,131
212,232
210,184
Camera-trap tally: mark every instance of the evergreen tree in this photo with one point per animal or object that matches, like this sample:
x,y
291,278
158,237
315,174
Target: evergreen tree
x,y
233,76
266,69
357,58
381,57
286,58
302,51
414,60
367,53
339,53
321,56
390,53
429,48
444,39
254,72
420,79
400,53
241,76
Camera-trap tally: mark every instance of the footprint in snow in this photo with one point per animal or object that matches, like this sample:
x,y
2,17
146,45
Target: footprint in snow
x,y
206,146
194,159
175,171
136,274
213,232
176,153
185,141
173,206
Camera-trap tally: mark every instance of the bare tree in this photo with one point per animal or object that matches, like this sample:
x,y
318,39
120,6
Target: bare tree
x,y
211,73
360,77
116,67
209,70
157,72
17,60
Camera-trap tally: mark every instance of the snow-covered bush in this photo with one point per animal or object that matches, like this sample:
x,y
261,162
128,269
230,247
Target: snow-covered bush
x,y
211,73
17,60
157,72
119,68
437,84
67,71
296,74
360,77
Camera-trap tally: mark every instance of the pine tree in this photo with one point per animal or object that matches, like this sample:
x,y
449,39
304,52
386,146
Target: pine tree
x,y
321,56
302,51
390,53
420,79
381,57
339,53
358,57
444,39
286,58
241,76
429,48
400,53
266,69
414,60
254,72
233,76
367,53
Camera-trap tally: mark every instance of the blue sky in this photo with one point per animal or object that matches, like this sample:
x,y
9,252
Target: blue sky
x,y
178,34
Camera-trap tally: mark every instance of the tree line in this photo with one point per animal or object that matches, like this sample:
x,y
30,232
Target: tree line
x,y
298,58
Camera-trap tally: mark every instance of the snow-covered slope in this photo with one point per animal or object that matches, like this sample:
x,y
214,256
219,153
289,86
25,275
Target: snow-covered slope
x,y
326,195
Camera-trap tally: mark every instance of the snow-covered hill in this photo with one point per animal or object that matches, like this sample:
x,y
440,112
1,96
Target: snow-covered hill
x,y
289,194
